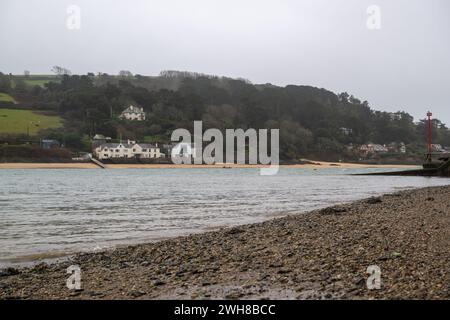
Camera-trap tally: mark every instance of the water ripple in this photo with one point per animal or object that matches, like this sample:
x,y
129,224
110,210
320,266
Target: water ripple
x,y
47,211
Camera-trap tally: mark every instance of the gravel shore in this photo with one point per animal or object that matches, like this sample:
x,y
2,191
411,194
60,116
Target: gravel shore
x,y
323,254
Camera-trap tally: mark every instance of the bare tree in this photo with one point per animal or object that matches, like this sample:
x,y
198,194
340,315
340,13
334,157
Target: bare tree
x,y
60,71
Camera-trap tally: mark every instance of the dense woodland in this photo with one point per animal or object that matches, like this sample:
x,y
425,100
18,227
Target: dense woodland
x,y
310,119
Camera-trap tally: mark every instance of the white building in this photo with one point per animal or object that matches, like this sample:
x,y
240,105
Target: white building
x,y
373,148
346,131
395,116
182,149
397,147
402,148
128,151
133,113
437,148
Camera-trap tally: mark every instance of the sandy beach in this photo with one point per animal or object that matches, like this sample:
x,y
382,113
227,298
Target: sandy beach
x,y
314,165
323,254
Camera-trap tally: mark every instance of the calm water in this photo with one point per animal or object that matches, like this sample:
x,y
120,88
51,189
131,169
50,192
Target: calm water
x,y
48,212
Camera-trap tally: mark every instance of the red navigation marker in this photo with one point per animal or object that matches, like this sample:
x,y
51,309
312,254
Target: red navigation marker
x,y
429,114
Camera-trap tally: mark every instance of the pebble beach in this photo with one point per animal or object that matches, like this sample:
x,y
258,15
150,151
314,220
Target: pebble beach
x,y
322,254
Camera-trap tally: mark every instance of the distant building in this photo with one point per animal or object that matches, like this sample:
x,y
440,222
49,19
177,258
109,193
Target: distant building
x,y
99,139
50,144
133,113
437,148
402,148
396,116
395,147
373,148
128,150
186,150
346,131
167,148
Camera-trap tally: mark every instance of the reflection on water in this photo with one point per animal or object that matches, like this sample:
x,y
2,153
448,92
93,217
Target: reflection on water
x,y
53,211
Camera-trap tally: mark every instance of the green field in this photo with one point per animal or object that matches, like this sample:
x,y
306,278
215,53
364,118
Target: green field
x,y
4,97
21,121
36,80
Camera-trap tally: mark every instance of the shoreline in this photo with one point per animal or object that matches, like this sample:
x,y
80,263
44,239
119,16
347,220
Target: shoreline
x,y
322,254
314,165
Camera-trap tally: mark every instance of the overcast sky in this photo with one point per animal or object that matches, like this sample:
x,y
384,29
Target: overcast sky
x,y
405,65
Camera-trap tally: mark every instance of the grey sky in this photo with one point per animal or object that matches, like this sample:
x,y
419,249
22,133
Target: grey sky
x,y
326,43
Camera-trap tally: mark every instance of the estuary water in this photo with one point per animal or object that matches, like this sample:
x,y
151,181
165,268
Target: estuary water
x,y
48,213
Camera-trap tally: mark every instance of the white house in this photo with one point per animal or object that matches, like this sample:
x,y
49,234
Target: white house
x,y
437,148
128,151
346,131
183,149
133,113
402,148
396,147
373,148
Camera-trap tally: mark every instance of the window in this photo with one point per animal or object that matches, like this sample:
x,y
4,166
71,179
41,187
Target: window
x,y
144,150
117,150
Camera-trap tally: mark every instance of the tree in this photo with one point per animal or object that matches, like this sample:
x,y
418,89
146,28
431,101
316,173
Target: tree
x,y
125,74
5,83
310,119
21,86
60,71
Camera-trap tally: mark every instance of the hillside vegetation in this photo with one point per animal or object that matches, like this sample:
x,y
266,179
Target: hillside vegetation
x,y
313,122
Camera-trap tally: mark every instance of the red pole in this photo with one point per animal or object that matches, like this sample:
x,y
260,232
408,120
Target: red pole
x,y
429,114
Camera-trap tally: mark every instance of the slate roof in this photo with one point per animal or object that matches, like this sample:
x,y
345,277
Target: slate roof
x,y
132,109
126,145
147,145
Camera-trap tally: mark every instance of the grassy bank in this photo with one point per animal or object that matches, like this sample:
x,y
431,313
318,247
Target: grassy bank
x,y
14,121
4,97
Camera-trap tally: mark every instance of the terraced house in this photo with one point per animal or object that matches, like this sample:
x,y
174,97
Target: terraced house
x,y
128,150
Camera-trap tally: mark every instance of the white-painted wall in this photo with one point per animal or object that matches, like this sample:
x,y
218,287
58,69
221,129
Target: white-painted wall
x,y
122,151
